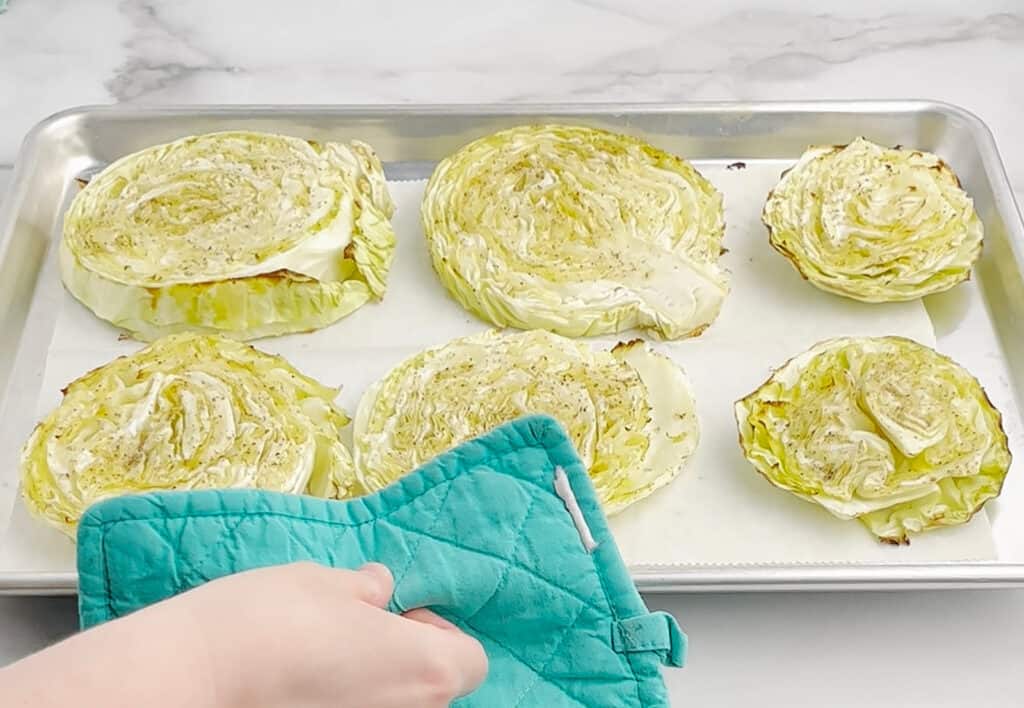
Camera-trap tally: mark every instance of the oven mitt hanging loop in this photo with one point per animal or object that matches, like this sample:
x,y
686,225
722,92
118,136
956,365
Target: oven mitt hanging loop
x,y
503,535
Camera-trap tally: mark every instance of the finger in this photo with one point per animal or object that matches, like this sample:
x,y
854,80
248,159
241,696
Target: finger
x,y
425,616
381,575
372,583
464,657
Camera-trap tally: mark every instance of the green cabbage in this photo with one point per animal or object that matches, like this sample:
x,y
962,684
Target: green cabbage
x,y
187,412
883,430
577,231
244,234
629,412
874,224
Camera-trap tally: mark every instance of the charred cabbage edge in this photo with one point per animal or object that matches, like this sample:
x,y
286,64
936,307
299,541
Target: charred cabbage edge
x,y
884,430
874,224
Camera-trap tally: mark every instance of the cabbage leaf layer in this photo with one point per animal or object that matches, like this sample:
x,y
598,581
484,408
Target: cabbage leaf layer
x,y
629,412
874,224
244,234
189,411
577,231
883,429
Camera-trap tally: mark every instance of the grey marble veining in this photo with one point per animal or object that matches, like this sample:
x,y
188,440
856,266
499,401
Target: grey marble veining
x,y
59,53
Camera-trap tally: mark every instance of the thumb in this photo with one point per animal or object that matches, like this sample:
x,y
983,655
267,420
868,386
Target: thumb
x,y
371,583
379,576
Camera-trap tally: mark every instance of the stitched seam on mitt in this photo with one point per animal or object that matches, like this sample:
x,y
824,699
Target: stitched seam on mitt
x,y
413,551
529,571
538,674
103,525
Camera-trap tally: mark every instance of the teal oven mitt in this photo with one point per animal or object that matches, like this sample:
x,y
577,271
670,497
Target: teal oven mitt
x,y
503,535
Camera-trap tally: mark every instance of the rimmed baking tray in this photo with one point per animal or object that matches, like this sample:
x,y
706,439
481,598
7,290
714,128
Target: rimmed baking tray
x,y
739,145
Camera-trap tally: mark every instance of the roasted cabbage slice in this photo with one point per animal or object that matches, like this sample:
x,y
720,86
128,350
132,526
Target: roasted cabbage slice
x,y
884,430
189,411
577,231
629,412
874,224
244,234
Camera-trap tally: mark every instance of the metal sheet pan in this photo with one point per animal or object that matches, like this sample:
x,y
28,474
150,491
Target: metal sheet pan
x,y
410,139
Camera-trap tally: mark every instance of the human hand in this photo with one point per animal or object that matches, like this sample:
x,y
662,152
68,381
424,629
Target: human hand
x,y
291,636
310,636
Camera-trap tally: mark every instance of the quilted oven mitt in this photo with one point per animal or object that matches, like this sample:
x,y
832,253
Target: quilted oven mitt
x,y
503,535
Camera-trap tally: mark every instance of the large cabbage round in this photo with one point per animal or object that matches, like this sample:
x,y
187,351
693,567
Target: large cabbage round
x,y
187,412
245,234
629,412
874,224
577,231
884,430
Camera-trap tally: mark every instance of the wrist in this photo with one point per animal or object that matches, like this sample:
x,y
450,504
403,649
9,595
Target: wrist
x,y
237,662
198,656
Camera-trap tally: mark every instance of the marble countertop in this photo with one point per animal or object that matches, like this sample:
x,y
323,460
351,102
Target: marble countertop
x,y
58,54
934,649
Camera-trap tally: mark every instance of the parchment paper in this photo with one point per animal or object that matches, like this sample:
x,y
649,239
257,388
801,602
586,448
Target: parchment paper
x,y
718,511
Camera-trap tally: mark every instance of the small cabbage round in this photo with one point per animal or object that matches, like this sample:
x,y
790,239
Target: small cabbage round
x,y
577,231
883,430
243,234
629,412
189,411
874,224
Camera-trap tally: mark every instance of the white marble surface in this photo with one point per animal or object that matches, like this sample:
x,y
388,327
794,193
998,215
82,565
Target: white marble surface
x,y
922,649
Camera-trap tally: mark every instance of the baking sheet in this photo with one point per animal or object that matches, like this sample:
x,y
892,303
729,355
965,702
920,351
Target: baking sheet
x,y
719,511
